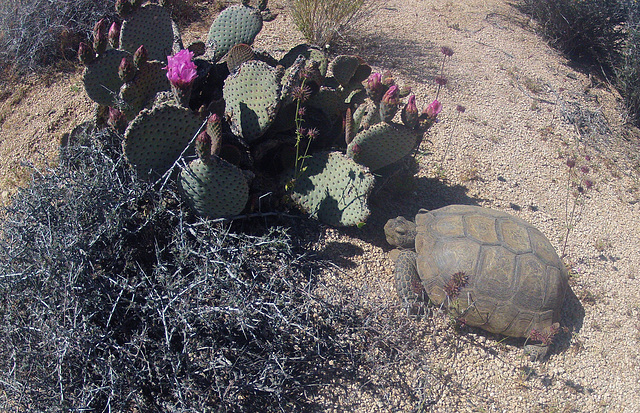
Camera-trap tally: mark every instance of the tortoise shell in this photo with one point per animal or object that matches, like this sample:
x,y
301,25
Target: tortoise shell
x,y
515,280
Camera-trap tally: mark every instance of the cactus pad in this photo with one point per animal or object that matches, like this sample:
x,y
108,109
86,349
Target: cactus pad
x,y
156,137
235,25
311,53
238,54
215,189
150,79
382,144
333,189
349,69
151,26
252,96
101,80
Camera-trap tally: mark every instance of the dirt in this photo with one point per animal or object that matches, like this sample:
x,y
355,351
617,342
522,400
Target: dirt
x,y
527,111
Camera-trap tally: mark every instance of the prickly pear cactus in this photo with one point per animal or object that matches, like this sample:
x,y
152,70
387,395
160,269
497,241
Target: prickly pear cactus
x,y
310,53
214,189
238,24
349,70
238,54
156,137
333,189
252,96
150,79
101,80
151,26
382,144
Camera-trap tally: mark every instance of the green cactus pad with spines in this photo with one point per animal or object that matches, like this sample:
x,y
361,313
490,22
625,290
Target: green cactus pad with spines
x,y
252,96
101,80
329,102
215,189
365,115
150,79
156,137
332,188
234,25
151,26
344,67
382,144
238,54
311,53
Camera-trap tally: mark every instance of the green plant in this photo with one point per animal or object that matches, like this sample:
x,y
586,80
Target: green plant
x,y
321,21
274,117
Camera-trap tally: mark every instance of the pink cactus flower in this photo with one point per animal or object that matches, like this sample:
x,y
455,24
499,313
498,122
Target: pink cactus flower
x,y
433,109
181,71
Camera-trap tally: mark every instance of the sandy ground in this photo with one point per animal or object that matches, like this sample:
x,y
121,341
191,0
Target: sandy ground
x,y
527,111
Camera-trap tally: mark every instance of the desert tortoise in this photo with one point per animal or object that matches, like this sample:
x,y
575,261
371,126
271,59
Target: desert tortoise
x,y
508,278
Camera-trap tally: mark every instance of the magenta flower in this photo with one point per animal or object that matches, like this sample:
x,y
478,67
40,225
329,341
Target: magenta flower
x,y
181,71
433,109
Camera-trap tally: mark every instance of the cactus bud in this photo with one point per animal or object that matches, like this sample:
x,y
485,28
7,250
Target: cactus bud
x,y
86,54
387,79
389,104
126,70
409,114
203,147
117,120
214,130
140,57
433,109
100,34
374,87
428,116
114,35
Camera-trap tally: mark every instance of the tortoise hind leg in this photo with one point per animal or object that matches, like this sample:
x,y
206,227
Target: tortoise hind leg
x,y
408,284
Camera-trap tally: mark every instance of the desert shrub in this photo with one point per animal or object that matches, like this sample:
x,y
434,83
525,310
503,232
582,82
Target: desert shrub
x,y
115,299
601,32
320,21
628,68
585,29
34,33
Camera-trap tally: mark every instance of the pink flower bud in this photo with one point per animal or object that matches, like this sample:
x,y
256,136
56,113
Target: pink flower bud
x,y
181,71
86,54
374,82
114,35
140,57
409,114
100,31
391,96
126,70
433,109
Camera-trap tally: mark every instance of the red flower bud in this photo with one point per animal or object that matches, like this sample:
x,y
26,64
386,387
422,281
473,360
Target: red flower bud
x,y
114,35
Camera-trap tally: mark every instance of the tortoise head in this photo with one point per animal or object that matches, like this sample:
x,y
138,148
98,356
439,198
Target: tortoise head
x,y
400,232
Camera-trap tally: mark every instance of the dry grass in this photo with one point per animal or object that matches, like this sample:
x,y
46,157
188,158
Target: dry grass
x,y
322,21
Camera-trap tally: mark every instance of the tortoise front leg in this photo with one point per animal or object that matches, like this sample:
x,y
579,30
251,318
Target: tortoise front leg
x,y
408,284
